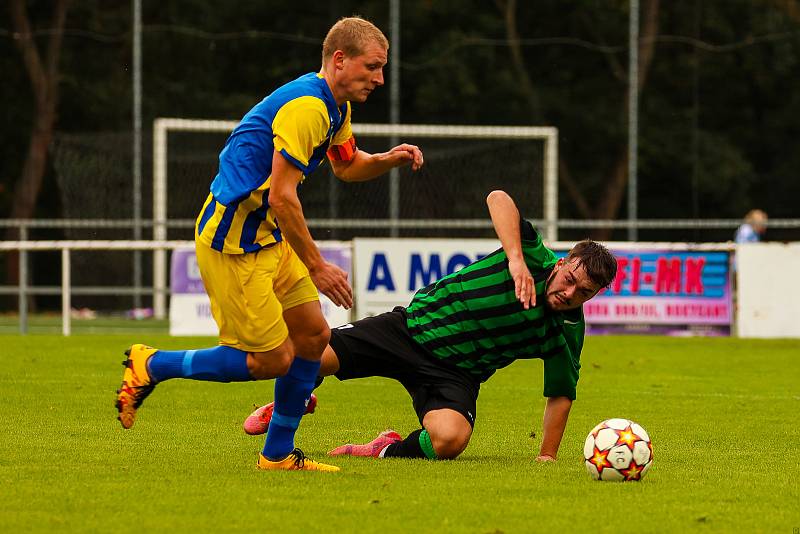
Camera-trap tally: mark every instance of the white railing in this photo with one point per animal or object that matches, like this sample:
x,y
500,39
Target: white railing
x,y
23,290
66,248
754,273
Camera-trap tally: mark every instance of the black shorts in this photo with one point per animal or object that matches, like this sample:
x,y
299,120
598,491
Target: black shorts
x,y
382,346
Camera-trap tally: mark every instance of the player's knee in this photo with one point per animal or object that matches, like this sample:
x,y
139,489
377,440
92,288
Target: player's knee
x,y
283,363
312,342
266,365
449,443
320,338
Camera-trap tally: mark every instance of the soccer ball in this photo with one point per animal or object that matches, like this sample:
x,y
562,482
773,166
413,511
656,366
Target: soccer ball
x,y
618,449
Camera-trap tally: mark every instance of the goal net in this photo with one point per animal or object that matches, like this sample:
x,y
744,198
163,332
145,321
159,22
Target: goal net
x,y
443,199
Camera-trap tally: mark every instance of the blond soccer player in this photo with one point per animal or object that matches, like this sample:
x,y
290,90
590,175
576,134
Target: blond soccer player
x,y
259,264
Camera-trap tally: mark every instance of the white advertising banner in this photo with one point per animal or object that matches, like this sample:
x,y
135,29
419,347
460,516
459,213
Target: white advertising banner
x,y
389,271
190,310
768,296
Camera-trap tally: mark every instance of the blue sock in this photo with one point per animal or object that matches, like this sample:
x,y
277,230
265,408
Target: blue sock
x,y
291,393
217,364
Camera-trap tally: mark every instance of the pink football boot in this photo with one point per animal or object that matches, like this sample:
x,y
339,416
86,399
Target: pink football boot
x,y
373,448
258,421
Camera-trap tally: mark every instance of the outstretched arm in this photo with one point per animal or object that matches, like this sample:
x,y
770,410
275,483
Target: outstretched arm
x,y
364,166
505,218
556,413
329,278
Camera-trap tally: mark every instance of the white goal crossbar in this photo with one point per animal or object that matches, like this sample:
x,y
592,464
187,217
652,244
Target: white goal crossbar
x,y
162,126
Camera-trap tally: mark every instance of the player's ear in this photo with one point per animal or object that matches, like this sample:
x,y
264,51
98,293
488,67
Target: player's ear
x,y
338,59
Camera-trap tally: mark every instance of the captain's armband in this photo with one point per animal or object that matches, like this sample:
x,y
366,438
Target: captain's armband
x,y
343,152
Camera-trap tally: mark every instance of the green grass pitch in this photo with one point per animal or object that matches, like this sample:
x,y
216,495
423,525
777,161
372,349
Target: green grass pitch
x,y
722,413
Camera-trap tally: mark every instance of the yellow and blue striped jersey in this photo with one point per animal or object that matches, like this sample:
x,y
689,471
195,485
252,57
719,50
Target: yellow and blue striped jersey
x,y
301,121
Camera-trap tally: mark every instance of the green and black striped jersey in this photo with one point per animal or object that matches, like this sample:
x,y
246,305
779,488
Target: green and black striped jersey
x,y
473,320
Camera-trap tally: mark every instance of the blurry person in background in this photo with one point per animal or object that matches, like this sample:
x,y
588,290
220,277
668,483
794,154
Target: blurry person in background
x,y
753,228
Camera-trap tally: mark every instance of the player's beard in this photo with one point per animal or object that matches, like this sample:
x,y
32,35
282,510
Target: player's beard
x,y
547,287
548,294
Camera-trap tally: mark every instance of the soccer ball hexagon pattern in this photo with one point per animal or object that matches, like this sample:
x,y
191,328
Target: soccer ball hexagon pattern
x,y
618,449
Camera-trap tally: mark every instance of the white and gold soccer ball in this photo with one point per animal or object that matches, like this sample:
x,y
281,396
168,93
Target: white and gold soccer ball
x,y
618,449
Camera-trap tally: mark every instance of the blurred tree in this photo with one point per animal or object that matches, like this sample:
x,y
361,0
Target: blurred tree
x,y
717,84
719,93
43,72
42,67
614,191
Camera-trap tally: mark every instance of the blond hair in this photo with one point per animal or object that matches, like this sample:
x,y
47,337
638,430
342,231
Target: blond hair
x,y
352,35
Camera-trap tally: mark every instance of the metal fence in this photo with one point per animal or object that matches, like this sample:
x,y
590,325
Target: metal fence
x,y
24,246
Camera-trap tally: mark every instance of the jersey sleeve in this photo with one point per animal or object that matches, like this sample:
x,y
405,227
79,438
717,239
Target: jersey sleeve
x,y
343,145
537,255
527,231
299,126
561,371
561,375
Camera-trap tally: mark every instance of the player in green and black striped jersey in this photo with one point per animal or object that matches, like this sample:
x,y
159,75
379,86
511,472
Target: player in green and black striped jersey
x,y
519,302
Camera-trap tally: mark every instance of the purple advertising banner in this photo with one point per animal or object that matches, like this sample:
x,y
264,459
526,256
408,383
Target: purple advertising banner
x,y
190,310
665,292
185,275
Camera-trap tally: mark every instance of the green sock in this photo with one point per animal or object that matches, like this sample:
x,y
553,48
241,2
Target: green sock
x,y
416,445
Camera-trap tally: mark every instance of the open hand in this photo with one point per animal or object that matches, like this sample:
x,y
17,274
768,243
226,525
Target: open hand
x,y
524,287
332,282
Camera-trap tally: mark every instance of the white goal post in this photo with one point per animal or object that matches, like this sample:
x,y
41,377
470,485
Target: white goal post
x,y
162,126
